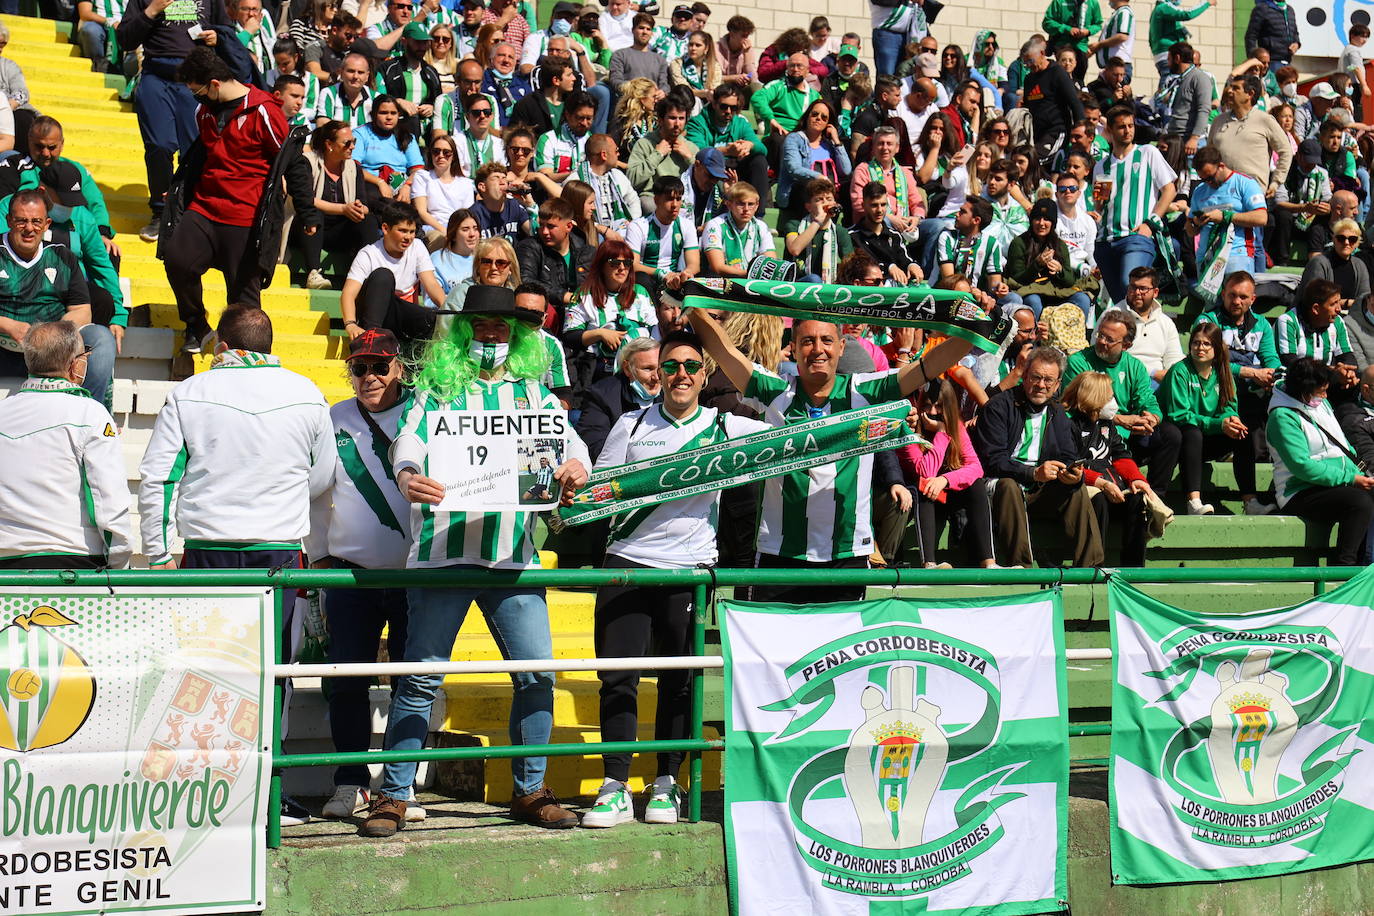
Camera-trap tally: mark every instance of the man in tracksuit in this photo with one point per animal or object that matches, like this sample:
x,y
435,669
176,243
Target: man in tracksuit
x,y
167,30
242,129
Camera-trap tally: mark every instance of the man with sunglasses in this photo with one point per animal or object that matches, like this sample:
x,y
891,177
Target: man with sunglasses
x,y
450,109
681,534
819,518
1076,227
722,126
325,58
411,80
478,144
362,522
386,35
64,500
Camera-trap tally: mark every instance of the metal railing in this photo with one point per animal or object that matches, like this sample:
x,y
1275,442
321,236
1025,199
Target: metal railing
x,y
701,581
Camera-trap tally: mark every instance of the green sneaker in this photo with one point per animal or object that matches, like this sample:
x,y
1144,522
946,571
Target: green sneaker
x,y
611,809
664,807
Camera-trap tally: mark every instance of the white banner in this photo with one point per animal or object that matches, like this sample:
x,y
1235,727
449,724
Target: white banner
x,y
897,756
492,461
1324,25
135,749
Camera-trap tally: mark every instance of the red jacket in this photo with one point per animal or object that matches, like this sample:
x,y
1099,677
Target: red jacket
x,y
238,158
956,118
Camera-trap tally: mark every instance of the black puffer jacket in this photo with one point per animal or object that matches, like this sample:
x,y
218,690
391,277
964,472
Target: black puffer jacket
x,y
1272,28
547,268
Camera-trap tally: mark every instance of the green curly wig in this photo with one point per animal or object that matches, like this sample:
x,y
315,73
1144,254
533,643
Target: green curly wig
x,y
446,370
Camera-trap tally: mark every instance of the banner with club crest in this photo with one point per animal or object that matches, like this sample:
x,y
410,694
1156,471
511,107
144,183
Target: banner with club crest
x,y
900,754
135,749
1236,744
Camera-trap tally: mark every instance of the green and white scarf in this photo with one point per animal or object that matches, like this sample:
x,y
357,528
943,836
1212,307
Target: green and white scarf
x,y
899,185
611,491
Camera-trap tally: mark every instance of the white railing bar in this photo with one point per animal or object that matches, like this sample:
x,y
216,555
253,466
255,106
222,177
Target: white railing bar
x,y
499,666
1088,655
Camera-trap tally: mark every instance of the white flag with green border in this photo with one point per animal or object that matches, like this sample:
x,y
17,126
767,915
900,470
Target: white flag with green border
x,y
1236,745
897,756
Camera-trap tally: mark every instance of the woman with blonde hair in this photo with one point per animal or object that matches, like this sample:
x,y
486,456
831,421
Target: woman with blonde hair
x,y
634,113
443,57
1109,467
697,68
493,264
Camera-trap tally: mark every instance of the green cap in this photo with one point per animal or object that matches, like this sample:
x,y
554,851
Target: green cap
x,y
415,30
848,51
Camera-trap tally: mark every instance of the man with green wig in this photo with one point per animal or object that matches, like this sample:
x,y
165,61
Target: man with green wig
x,y
490,358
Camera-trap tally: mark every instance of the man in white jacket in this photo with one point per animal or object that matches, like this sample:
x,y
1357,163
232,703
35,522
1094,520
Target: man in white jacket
x,y
236,456
64,500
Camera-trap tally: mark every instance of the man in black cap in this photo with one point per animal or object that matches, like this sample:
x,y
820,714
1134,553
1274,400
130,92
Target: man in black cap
x,y
490,359
411,80
1301,202
671,40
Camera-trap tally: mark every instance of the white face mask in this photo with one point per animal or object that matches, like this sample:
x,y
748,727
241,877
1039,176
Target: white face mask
x,y
488,356
1289,89
1109,410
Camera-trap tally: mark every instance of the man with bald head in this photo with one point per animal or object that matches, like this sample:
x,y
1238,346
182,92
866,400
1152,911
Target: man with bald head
x,y
349,100
503,81
918,105
819,518
1344,205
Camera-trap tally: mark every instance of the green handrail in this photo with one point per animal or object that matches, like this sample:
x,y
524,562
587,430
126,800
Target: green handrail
x,y
700,580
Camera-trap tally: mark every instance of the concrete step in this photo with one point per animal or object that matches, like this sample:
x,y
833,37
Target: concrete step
x,y
285,320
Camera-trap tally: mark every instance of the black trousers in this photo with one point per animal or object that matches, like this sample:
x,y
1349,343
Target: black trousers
x,y
53,562
1347,507
808,594
1129,516
1197,447
1159,453
931,515
631,622
739,526
200,244
378,306
337,235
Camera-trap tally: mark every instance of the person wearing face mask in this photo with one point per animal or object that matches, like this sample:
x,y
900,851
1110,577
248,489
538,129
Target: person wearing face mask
x,y
64,501
634,386
242,129
490,358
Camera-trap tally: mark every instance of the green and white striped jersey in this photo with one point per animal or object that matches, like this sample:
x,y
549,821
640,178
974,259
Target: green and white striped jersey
x,y
823,513
110,9
662,248
1294,338
497,540
260,45
559,151
333,107
449,118
309,108
1121,22
975,257
635,321
668,43
617,202
1032,439
557,375
739,245
1137,178
680,534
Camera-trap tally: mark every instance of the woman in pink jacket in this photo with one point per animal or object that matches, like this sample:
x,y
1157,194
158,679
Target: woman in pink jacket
x,y
947,477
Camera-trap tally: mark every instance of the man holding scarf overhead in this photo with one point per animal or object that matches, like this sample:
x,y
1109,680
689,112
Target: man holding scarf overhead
x,y
491,358
821,517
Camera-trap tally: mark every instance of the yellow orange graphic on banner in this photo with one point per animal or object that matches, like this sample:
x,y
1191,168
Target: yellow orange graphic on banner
x,y
49,689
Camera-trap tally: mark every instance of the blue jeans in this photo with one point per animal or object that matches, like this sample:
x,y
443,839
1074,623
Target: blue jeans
x,y
602,94
100,364
519,622
355,617
887,50
1119,257
91,37
1080,299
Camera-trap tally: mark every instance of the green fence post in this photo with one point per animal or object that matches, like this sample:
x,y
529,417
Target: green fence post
x,y
278,696
699,599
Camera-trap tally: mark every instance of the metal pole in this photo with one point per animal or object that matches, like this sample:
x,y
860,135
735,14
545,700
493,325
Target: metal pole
x,y
699,598
500,666
278,696
590,749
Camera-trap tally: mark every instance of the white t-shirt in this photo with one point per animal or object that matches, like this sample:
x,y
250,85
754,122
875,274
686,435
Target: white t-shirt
x,y
619,33
441,199
407,268
1079,233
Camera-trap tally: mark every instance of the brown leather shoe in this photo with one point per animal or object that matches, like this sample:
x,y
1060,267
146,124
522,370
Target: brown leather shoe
x,y
541,809
385,816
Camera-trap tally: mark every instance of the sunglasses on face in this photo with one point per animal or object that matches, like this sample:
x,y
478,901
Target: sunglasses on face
x,y
498,263
820,114
480,112
1351,239
669,367
618,262
729,108
1067,188
360,369
522,150
869,281
442,40
439,151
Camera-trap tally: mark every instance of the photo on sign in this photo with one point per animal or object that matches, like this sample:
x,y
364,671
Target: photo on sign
x,y
537,459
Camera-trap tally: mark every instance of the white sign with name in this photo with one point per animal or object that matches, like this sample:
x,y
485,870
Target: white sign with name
x,y
495,460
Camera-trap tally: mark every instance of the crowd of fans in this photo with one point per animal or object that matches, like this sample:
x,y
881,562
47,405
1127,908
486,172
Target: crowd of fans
x,y
533,200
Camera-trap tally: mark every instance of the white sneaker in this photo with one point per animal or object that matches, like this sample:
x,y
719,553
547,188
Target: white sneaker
x,y
613,807
345,802
1198,507
414,813
665,803
317,280
1255,507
